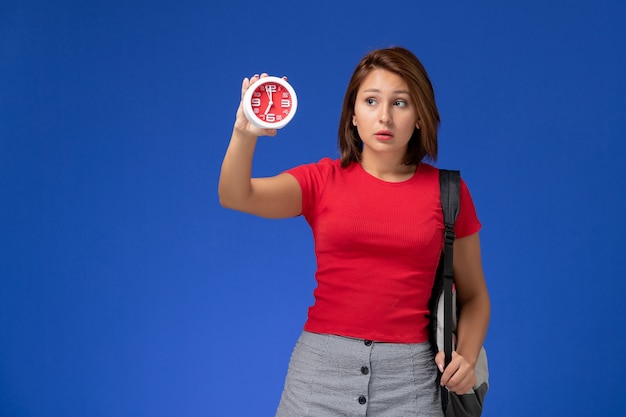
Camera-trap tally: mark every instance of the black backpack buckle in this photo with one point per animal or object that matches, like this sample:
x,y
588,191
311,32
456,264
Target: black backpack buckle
x,y
449,236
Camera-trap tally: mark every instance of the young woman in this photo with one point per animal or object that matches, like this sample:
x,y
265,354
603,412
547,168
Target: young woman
x,y
378,228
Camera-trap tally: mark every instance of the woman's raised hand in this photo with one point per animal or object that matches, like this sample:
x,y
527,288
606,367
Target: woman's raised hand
x,y
242,124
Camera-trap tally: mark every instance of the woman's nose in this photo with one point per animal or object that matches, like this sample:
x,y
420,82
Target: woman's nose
x,y
385,114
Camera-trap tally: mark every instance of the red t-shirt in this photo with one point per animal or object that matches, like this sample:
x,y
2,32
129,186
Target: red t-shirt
x,y
377,246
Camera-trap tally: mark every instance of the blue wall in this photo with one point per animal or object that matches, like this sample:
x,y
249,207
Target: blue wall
x,y
126,290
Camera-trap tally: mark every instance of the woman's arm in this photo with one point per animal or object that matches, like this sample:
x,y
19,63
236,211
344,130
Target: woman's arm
x,y
274,197
473,298
474,313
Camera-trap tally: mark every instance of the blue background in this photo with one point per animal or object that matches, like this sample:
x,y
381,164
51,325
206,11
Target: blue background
x,y
126,290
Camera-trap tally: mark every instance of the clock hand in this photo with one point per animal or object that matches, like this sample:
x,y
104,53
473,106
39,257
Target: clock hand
x,y
269,95
268,89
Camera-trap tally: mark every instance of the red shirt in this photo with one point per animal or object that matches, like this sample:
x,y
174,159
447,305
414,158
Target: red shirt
x,y
377,246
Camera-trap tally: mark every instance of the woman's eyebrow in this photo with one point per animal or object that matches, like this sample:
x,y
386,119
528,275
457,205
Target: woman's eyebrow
x,y
376,90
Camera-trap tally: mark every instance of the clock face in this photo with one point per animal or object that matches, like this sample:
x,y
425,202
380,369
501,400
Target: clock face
x,y
270,103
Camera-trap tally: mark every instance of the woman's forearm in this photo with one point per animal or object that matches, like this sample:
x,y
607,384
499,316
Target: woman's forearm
x,y
472,328
235,177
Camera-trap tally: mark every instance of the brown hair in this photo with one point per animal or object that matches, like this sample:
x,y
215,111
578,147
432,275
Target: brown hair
x,y
401,61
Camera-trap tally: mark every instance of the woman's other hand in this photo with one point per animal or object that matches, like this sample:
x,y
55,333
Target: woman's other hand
x,y
458,376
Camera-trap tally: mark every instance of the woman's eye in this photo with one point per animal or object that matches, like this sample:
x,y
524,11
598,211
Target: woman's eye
x,y
400,103
370,101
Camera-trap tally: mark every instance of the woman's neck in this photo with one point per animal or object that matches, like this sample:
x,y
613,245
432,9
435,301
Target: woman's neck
x,y
391,170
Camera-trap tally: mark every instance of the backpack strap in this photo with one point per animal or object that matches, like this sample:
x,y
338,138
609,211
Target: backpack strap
x,y
450,188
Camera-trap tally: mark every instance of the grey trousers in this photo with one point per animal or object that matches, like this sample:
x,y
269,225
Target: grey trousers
x,y
333,376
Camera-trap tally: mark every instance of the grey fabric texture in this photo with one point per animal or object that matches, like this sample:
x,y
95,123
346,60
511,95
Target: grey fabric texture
x,y
334,376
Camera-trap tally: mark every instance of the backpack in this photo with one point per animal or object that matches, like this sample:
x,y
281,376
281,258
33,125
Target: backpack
x,y
443,308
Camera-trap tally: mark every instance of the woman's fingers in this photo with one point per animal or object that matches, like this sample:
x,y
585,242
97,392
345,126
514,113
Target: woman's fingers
x,y
458,376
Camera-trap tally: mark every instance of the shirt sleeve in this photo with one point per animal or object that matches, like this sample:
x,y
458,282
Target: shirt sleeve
x,y
467,222
311,178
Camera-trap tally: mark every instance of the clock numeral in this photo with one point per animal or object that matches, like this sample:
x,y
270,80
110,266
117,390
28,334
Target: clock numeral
x,y
256,102
256,111
271,117
286,94
285,103
270,88
256,94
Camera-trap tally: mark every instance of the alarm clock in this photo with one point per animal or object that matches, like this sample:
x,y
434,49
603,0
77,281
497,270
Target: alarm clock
x,y
270,103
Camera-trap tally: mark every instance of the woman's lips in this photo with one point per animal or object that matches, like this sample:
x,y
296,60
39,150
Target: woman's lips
x,y
383,135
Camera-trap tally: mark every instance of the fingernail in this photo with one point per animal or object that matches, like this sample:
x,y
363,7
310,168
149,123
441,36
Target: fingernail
x,y
440,366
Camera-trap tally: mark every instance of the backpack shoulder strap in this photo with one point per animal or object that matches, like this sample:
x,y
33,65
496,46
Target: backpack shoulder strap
x,y
450,187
